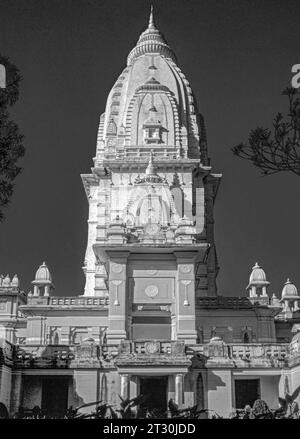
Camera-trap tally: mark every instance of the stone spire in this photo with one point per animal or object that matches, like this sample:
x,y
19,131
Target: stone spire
x,y
151,41
151,24
150,168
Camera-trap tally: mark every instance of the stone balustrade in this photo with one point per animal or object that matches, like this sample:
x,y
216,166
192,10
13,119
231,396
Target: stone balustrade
x,y
143,152
79,301
260,355
152,347
243,355
150,351
69,301
57,356
258,350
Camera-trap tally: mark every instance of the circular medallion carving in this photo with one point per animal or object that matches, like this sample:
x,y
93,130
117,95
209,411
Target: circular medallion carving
x,y
185,268
152,229
117,268
151,291
151,347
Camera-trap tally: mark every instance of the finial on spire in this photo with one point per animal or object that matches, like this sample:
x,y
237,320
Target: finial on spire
x,y
256,266
151,19
151,157
150,168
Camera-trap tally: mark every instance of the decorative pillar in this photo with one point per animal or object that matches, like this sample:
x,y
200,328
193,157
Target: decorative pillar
x,y
179,389
117,317
125,386
286,305
185,297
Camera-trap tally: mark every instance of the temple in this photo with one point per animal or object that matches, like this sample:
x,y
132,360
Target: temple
x,y
150,319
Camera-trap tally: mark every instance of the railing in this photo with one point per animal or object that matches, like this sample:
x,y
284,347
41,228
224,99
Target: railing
x,y
259,350
92,355
256,355
224,302
69,301
152,347
243,354
57,356
142,153
80,301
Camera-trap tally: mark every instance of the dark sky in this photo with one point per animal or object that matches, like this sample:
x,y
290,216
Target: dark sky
x,y
237,55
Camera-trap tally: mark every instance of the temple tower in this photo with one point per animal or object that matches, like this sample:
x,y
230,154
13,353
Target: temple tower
x,y
151,194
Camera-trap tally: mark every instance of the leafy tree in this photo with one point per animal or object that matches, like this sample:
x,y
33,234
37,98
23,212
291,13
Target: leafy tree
x,y
11,141
280,151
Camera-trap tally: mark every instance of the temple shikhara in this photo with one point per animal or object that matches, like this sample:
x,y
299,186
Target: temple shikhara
x,y
150,319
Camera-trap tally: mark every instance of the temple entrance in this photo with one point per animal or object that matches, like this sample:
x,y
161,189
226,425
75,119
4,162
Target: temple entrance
x,y
246,392
155,387
55,396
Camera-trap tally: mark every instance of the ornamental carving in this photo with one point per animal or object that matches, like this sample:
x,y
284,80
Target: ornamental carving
x,y
116,268
152,347
151,291
185,268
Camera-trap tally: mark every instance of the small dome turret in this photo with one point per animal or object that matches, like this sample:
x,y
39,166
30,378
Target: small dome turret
x,y
258,283
257,276
289,290
43,281
43,275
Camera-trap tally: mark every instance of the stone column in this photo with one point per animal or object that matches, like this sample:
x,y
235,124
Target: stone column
x,y
125,386
264,291
16,386
185,297
117,328
179,389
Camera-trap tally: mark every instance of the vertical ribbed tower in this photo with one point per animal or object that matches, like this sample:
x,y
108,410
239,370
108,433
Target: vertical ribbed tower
x,y
151,191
